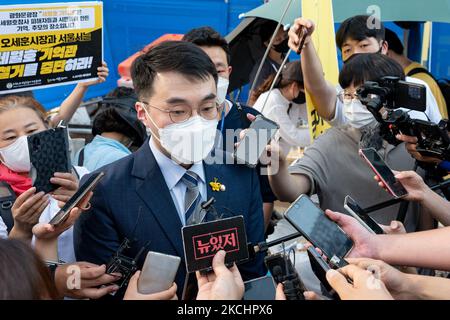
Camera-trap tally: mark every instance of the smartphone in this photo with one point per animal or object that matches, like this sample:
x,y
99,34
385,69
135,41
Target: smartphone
x,y
318,229
158,272
260,289
77,198
363,218
383,171
49,153
319,267
252,146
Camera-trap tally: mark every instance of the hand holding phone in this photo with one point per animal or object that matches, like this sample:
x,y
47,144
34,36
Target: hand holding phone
x,y
363,218
255,140
158,272
49,153
318,229
382,170
77,198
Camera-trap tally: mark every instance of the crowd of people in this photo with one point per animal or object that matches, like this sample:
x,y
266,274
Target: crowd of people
x,y
162,143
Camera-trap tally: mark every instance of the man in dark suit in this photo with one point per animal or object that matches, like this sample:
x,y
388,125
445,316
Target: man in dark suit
x,y
150,195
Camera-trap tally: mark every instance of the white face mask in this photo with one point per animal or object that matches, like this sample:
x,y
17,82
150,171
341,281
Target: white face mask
x,y
16,156
357,114
222,88
190,141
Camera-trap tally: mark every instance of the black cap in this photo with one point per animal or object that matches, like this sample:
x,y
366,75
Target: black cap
x,y
124,107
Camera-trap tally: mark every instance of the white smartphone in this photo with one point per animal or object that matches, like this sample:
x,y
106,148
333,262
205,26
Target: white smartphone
x,y
158,272
364,219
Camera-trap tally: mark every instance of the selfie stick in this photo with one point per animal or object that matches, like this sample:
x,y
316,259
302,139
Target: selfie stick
x,y
264,246
276,79
288,5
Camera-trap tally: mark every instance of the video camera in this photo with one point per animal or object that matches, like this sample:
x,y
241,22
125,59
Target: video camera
x,y
391,93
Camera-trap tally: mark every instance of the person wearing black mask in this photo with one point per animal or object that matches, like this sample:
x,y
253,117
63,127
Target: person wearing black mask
x,y
276,55
286,105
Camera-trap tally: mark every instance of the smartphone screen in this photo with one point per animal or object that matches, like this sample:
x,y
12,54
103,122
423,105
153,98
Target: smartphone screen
x,y
317,228
260,289
252,146
383,172
358,211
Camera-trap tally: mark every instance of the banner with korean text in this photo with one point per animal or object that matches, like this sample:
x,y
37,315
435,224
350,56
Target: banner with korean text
x,y
45,45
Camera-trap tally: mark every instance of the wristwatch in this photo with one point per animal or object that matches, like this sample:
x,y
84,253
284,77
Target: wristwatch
x,y
52,265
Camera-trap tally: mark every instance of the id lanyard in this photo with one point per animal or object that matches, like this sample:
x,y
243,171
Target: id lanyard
x,y
222,123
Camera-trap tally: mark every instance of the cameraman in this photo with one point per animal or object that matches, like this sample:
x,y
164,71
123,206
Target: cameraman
x,y
331,166
353,37
411,147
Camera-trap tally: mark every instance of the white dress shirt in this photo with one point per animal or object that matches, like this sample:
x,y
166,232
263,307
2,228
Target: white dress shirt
x,y
172,173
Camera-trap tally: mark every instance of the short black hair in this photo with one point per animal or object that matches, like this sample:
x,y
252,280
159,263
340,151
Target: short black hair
x,y
368,67
394,42
208,37
171,56
108,120
356,28
117,113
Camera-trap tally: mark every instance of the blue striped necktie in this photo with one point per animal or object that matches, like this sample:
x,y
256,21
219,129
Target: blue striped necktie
x,y
193,197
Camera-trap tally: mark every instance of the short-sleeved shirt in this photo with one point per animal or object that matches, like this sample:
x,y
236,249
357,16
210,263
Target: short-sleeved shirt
x,y
291,117
434,87
101,152
432,110
333,165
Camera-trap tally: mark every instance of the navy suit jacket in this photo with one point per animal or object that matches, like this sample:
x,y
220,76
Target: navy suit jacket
x,y
133,201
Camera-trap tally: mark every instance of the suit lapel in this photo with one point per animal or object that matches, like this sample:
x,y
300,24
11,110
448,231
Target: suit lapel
x,y
152,189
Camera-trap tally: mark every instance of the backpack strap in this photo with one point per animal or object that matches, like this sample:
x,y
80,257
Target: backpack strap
x,y
418,70
81,158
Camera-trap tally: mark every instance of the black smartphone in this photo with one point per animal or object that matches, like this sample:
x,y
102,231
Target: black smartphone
x,y
256,138
77,198
49,153
319,266
260,289
318,229
352,207
383,171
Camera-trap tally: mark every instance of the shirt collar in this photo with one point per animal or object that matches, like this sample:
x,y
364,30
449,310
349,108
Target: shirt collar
x,y
111,142
172,171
